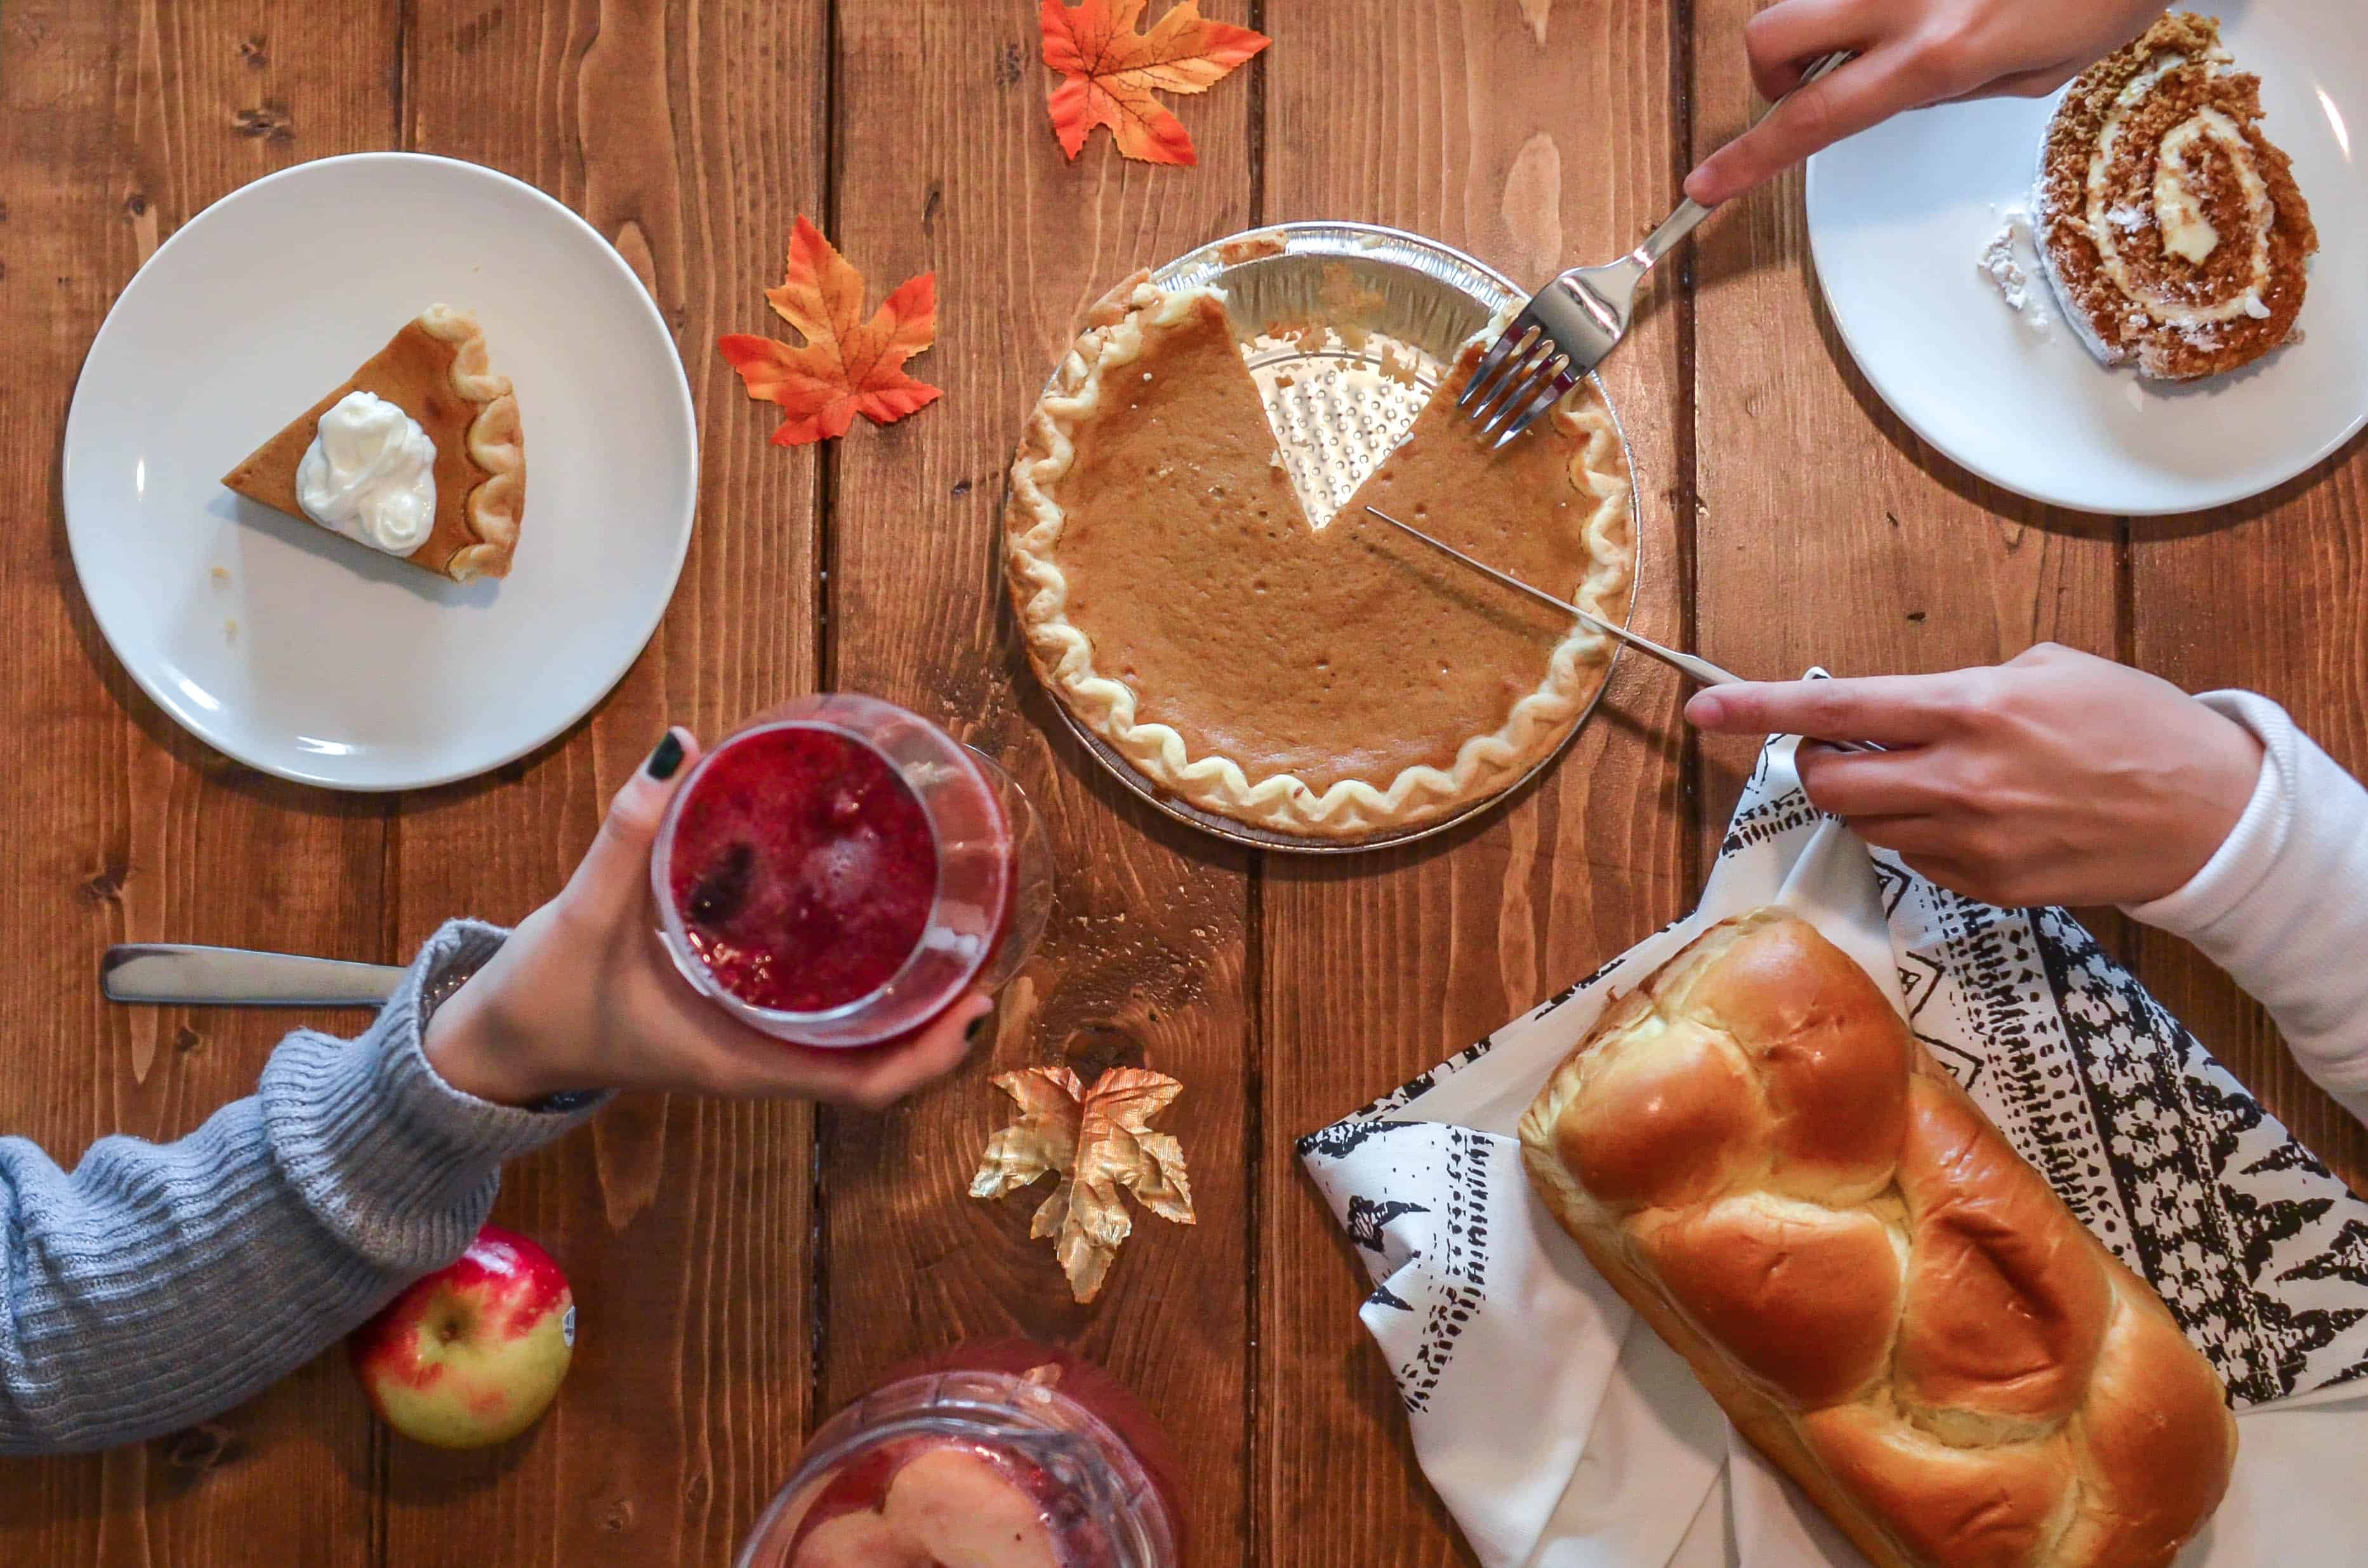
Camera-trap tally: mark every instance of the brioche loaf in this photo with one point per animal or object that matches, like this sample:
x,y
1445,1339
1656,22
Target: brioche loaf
x,y
1887,1301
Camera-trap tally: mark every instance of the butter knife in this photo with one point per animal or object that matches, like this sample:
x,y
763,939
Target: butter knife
x,y
1700,669
1693,667
176,974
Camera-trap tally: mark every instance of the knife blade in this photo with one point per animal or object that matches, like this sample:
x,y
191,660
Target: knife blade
x,y
179,974
1701,670
1696,668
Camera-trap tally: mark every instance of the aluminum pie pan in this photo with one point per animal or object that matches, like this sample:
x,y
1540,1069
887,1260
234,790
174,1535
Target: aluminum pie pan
x,y
1345,405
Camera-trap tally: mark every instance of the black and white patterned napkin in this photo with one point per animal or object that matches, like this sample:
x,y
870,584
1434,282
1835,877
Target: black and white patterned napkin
x,y
2260,1252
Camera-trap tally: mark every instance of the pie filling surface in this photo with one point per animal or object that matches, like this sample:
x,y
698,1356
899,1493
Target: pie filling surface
x,y
1332,682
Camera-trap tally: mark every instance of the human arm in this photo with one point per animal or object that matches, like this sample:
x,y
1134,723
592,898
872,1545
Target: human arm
x,y
1910,53
2283,904
2060,778
157,1284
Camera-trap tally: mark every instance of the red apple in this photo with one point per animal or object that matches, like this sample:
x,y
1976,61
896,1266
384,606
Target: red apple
x,y
472,1353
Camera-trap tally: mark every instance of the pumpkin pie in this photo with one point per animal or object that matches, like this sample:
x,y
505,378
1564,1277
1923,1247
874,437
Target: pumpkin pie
x,y
2171,225
436,370
1336,681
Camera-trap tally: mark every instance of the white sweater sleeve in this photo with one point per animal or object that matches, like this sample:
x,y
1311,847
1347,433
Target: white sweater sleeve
x,y
2282,905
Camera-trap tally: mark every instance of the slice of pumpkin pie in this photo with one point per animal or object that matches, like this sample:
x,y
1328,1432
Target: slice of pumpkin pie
x,y
420,455
1336,681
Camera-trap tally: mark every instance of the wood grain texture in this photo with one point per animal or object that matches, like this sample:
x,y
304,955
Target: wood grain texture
x,y
723,1313
1893,559
946,160
2271,596
117,122
1536,138
688,137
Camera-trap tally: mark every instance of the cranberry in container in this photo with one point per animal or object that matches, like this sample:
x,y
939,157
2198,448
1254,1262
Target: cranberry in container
x,y
1000,1455
839,872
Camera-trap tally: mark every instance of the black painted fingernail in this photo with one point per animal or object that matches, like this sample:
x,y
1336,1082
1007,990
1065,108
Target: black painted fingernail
x,y
668,757
977,1028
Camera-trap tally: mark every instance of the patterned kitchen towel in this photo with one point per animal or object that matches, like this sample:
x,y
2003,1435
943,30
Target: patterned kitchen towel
x,y
2260,1250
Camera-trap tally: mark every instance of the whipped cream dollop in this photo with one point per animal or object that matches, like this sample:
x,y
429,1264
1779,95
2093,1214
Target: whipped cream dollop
x,y
369,475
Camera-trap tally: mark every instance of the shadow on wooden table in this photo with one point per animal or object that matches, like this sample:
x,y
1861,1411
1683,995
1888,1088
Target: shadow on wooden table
x,y
435,1477
1363,1370
2190,525
313,1421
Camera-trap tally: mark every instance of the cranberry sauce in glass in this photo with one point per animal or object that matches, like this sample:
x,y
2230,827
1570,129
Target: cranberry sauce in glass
x,y
1000,1455
840,872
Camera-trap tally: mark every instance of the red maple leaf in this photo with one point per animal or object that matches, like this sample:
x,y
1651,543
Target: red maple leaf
x,y
845,366
1108,71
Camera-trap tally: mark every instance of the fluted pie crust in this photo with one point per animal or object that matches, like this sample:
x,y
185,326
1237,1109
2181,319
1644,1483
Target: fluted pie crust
x,y
436,370
1333,684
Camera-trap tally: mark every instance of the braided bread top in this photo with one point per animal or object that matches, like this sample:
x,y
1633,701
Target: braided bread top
x,y
1883,1296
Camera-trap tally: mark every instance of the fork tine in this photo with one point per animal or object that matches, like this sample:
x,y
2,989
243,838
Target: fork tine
x,y
1540,388
1512,382
1516,337
1556,386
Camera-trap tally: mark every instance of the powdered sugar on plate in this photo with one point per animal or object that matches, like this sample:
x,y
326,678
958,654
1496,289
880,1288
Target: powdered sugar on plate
x,y
2009,261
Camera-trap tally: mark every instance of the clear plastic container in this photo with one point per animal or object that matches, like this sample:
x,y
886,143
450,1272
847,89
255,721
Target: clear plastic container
x,y
1004,1454
839,872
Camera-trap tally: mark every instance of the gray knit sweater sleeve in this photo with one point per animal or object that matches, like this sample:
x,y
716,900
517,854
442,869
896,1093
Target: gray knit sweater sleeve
x,y
158,1284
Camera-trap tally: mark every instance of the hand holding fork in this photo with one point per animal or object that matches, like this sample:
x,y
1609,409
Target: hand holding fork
x,y
1572,323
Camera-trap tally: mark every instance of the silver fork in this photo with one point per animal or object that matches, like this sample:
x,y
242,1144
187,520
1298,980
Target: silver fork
x,y
1572,323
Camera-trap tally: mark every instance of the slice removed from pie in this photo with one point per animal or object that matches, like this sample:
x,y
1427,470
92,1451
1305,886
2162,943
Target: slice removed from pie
x,y
1338,682
437,371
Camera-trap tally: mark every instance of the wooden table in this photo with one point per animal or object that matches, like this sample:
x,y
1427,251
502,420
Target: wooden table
x,y
743,1269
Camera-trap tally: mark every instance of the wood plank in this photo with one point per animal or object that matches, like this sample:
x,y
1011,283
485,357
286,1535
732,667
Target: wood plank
x,y
688,138
1893,559
117,122
947,161
2271,596
1535,137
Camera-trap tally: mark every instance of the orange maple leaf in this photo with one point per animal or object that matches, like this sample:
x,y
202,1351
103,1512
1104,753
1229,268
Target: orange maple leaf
x,y
1109,70
846,365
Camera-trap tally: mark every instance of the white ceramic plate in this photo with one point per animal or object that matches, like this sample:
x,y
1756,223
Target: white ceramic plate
x,y
315,658
1898,216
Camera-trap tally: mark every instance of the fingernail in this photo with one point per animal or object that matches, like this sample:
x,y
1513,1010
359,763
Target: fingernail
x,y
668,757
1704,707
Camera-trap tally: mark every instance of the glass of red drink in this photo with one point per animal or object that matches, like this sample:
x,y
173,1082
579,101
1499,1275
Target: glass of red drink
x,y
839,872
1002,1455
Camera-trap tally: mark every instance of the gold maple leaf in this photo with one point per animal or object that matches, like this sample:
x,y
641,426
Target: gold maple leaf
x,y
1095,1141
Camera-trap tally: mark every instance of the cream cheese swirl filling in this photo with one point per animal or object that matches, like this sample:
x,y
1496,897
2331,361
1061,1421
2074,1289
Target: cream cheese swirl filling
x,y
2178,213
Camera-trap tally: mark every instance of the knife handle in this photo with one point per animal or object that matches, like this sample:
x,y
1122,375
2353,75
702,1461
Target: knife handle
x,y
181,975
